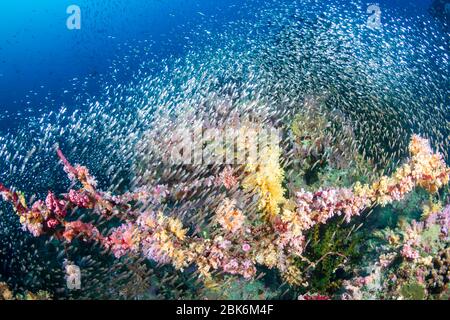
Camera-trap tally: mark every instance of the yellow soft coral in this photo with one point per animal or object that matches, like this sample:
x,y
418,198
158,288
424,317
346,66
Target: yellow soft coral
x,y
265,177
267,254
176,227
293,276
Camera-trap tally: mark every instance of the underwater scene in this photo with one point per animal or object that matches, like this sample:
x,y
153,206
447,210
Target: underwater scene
x,y
224,150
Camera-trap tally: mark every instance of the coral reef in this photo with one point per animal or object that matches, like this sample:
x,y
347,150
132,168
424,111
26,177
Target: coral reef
x,y
239,245
412,262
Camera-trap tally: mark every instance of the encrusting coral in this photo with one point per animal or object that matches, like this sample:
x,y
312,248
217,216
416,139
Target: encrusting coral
x,y
238,245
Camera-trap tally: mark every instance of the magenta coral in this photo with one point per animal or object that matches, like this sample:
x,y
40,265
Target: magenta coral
x,y
80,199
55,205
409,253
122,240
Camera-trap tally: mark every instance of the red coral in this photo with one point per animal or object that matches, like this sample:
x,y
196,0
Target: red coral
x,y
55,205
52,223
67,166
86,231
313,297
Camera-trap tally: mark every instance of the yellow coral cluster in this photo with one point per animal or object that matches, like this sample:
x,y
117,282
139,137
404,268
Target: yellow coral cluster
x,y
267,254
176,228
293,276
168,236
265,177
427,167
32,219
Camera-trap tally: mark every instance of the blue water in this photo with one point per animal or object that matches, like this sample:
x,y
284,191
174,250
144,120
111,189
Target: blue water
x,y
39,55
43,64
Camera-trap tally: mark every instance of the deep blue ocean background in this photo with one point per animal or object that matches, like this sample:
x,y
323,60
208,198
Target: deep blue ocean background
x,y
44,66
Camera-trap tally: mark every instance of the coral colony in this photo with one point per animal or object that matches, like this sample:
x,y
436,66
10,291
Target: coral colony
x,y
239,246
